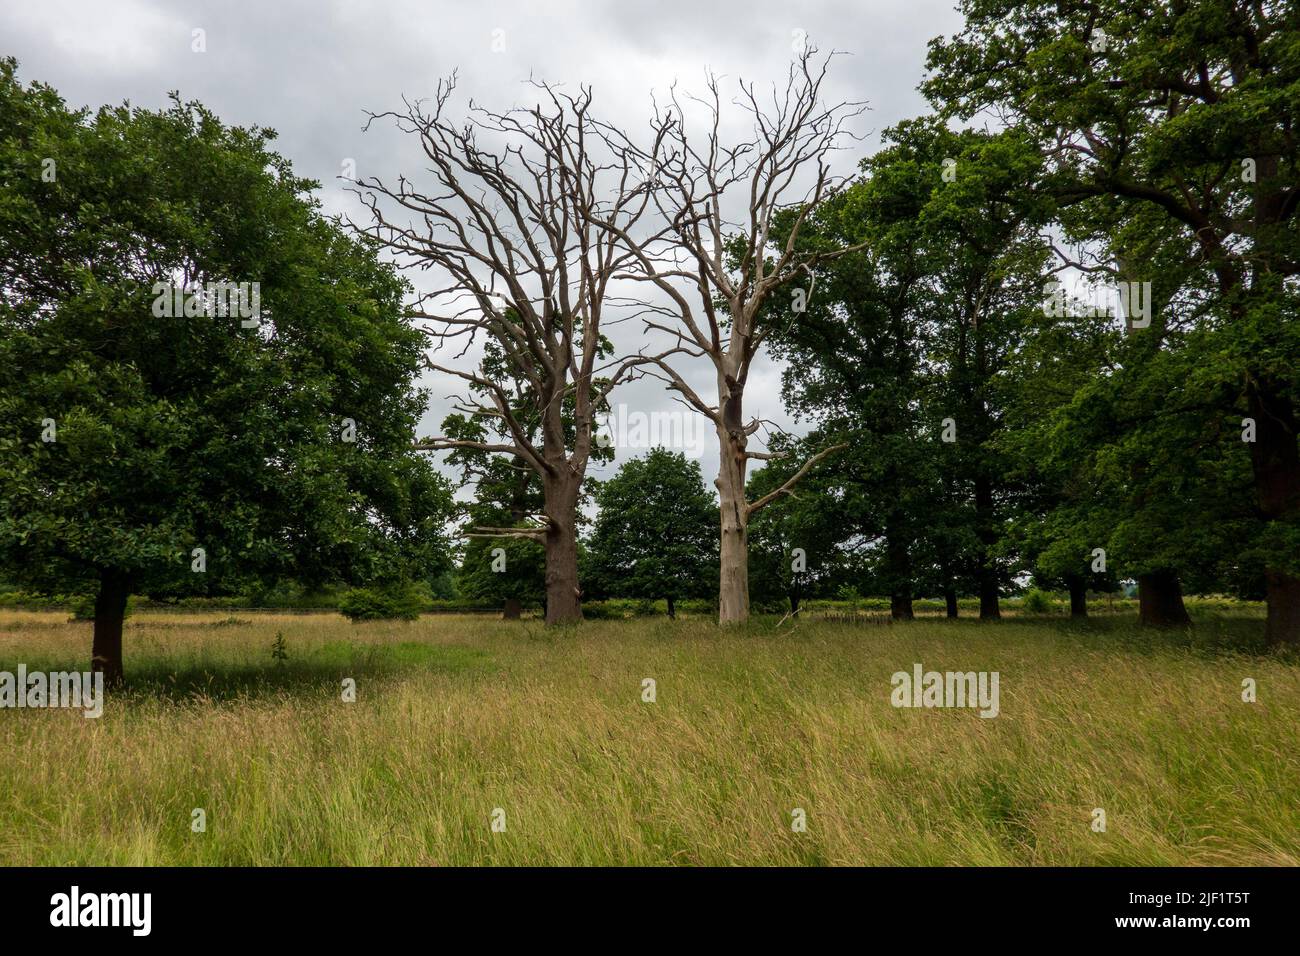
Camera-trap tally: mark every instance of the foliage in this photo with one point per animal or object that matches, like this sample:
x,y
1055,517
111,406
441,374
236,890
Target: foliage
x,y
656,535
1037,602
382,604
131,433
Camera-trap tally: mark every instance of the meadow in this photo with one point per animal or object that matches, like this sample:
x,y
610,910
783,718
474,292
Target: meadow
x,y
459,716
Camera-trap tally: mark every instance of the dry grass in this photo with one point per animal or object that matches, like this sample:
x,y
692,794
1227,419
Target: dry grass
x,y
457,716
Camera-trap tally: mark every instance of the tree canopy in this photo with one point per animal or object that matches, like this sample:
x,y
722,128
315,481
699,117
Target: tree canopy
x,y
207,382
655,537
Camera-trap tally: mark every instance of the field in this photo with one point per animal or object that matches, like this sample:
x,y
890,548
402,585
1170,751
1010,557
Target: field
x,y
457,716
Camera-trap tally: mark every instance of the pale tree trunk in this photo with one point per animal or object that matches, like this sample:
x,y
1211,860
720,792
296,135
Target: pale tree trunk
x,y
733,585
734,508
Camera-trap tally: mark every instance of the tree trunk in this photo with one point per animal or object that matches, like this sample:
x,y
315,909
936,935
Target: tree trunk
x,y
1160,600
950,601
513,610
1275,459
733,584
989,609
563,594
898,572
1283,623
110,611
672,609
733,579
1078,596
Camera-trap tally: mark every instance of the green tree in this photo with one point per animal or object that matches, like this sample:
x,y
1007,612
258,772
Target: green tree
x,y
497,568
200,449
903,351
1185,111
1122,438
986,262
656,534
1065,515
798,546
854,366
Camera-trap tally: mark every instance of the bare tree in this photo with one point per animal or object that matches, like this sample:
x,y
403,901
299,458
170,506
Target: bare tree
x,y
718,268
509,228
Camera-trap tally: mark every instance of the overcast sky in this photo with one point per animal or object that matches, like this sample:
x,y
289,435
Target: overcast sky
x,y
309,70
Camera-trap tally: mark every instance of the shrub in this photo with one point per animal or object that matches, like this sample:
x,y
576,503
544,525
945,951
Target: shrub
x,y
1036,602
389,604
600,611
646,608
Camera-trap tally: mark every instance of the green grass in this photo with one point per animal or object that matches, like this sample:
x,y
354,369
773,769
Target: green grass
x,y
457,716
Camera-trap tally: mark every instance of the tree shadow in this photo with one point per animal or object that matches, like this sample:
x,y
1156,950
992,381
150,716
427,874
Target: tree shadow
x,y
1212,634
321,674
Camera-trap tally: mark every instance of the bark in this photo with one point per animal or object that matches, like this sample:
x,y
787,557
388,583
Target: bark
x,y
950,601
563,594
1078,596
1282,625
1275,460
733,585
989,609
110,611
899,573
513,610
900,606
733,579
1160,600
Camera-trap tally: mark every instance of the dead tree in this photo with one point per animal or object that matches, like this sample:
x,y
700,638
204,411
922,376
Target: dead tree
x,y
508,228
715,260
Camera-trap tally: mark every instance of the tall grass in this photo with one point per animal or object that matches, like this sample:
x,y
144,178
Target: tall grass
x,y
458,716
